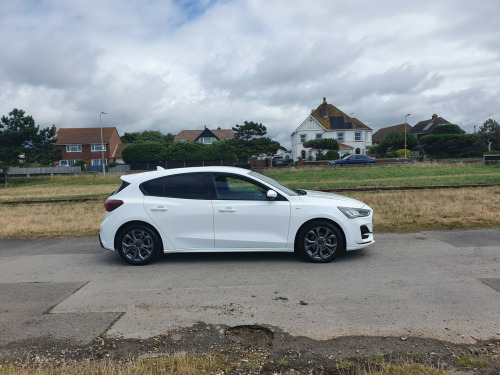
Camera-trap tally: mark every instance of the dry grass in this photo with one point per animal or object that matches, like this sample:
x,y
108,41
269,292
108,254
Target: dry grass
x,y
51,220
395,211
171,365
43,192
410,369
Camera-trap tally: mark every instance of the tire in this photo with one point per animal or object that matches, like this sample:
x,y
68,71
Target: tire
x,y
320,242
138,245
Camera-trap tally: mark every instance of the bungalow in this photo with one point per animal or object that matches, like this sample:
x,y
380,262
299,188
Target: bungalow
x,y
425,127
205,136
94,145
327,121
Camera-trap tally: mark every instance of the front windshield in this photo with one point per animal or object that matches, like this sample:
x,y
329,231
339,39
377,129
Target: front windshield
x,y
271,182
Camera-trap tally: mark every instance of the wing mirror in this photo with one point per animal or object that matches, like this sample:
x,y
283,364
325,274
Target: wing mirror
x,y
271,194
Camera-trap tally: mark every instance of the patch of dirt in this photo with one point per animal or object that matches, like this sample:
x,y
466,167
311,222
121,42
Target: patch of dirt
x,y
263,350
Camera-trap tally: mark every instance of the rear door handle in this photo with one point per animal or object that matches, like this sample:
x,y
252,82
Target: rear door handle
x,y
159,208
227,209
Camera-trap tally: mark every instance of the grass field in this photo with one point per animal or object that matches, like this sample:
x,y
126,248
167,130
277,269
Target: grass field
x,y
407,210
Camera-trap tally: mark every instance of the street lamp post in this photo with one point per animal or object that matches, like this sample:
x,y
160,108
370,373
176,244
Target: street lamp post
x,y
102,144
405,132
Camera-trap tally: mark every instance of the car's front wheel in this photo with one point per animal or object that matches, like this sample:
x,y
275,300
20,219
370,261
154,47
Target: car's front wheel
x,y
138,245
320,241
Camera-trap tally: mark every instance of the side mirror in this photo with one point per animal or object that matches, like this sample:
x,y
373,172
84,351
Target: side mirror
x,y
271,194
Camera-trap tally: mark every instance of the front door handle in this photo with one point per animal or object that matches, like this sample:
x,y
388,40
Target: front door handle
x,y
227,209
159,208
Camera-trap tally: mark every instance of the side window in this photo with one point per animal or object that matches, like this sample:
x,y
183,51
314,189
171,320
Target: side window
x,y
234,188
182,186
153,188
186,186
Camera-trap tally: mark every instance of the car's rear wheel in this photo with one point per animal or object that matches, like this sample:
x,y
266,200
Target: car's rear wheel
x,y
138,245
320,241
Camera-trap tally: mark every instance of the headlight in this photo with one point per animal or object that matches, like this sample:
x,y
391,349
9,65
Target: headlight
x,y
353,213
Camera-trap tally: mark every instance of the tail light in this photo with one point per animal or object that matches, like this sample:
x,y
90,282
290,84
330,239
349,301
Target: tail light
x,y
112,204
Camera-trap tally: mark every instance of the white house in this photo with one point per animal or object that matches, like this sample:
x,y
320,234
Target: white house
x,y
327,121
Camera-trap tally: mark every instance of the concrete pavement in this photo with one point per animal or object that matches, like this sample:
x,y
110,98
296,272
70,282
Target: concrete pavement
x,y
443,285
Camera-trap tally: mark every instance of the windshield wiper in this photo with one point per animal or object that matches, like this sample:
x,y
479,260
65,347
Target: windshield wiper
x,y
300,192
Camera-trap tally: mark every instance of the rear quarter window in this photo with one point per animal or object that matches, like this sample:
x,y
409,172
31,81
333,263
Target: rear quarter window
x,y
124,185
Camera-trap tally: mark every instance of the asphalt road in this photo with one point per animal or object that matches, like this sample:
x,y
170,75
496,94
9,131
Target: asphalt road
x,y
443,285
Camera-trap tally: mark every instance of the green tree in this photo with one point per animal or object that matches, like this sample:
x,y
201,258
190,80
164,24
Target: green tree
x,y
322,144
21,141
489,134
264,146
147,136
395,140
447,129
143,152
249,130
330,155
443,146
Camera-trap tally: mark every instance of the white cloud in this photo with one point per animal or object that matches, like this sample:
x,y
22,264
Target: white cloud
x,y
173,65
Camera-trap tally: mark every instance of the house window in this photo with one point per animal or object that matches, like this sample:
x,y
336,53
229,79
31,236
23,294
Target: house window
x,y
303,153
66,163
97,147
73,148
340,136
303,138
183,140
318,135
99,161
357,136
207,140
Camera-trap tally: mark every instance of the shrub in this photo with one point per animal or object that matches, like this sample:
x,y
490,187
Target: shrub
x,y
81,164
330,155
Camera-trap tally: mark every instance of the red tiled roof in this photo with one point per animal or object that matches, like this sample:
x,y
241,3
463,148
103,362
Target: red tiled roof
x,y
68,136
324,111
380,134
345,147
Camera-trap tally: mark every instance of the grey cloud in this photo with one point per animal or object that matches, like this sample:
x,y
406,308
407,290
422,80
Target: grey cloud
x,y
47,62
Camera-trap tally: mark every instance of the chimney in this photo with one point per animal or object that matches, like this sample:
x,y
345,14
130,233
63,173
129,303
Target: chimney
x,y
434,116
54,129
324,109
219,128
205,127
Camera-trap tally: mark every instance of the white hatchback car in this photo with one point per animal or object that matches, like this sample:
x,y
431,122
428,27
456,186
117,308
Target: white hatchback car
x,y
209,209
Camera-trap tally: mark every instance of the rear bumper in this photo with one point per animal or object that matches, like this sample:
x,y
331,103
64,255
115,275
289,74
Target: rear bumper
x,y
104,244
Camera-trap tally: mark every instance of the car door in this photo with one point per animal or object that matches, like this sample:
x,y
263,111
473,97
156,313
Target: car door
x,y
181,209
244,218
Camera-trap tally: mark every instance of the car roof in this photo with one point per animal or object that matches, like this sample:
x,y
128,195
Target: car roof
x,y
145,176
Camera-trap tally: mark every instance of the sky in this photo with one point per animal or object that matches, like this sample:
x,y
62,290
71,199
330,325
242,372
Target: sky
x,y
173,65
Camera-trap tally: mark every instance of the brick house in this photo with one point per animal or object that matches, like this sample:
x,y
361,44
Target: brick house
x,y
85,144
380,134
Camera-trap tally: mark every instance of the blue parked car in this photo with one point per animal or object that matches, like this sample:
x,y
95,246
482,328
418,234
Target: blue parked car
x,y
353,159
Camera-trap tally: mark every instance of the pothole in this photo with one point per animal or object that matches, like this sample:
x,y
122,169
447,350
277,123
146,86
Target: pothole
x,y
250,335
